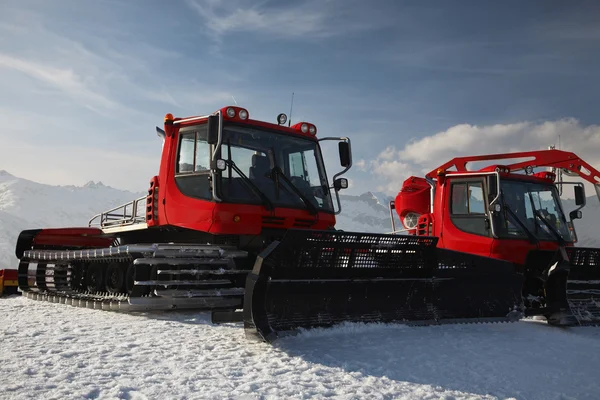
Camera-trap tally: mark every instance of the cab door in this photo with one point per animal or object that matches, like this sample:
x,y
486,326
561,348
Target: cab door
x,y
466,225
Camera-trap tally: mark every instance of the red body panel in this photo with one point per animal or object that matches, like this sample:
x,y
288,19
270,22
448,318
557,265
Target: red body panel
x,y
72,237
9,275
413,197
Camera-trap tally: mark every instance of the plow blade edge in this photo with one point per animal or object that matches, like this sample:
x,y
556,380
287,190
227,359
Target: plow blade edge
x,y
318,279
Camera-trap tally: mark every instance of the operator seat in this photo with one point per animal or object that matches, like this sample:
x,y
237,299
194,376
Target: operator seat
x,y
260,168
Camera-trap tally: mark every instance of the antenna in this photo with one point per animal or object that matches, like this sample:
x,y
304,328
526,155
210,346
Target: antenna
x,y
234,100
291,106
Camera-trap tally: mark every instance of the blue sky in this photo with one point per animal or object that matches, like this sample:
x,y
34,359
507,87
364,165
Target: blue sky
x,y
83,84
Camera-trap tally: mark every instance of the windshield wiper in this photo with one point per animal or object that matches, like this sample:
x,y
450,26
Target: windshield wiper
x,y
558,236
531,236
310,206
266,202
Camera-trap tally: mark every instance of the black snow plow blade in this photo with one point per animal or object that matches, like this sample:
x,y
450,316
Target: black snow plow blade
x,y
583,285
318,279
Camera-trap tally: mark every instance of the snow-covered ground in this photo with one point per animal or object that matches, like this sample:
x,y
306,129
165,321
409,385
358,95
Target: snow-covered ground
x,y
55,351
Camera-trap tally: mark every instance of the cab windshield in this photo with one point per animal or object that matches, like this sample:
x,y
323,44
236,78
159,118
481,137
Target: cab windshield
x,y
265,167
528,205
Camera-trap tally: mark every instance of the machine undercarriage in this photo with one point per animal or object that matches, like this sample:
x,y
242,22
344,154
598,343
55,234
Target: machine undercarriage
x,y
136,277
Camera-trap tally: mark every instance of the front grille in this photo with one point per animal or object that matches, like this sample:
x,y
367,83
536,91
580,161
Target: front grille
x,y
273,221
303,223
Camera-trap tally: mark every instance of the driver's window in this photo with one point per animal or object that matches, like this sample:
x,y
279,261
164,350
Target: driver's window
x,y
193,161
194,153
467,207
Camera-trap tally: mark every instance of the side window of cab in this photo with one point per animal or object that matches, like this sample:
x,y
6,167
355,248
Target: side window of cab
x,y
192,169
468,207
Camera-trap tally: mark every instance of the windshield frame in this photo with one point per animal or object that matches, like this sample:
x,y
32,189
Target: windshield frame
x,y
502,219
220,176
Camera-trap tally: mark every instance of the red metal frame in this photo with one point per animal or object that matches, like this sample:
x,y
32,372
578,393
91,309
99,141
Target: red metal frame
x,y
541,158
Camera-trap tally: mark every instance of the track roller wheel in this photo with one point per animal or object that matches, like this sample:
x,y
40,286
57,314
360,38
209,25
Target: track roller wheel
x,y
77,276
115,278
94,278
40,277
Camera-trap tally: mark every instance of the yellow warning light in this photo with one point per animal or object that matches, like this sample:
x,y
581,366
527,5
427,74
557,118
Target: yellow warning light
x,y
236,218
169,117
441,172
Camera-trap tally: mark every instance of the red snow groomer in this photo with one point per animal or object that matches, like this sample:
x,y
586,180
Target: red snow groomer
x,y
511,210
8,282
241,216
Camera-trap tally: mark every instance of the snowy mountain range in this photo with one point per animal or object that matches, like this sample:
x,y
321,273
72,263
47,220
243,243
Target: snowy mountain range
x,y
26,204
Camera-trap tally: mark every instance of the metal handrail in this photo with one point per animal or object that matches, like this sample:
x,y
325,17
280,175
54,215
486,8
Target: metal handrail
x,y
120,216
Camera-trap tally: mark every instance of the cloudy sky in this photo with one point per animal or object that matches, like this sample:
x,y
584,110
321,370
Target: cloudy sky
x,y
83,84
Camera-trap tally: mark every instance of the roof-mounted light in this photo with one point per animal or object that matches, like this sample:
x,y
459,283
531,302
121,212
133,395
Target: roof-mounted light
x,y
169,117
550,176
305,128
281,119
233,112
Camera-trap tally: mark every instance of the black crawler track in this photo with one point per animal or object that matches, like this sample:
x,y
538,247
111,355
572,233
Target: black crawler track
x,y
136,277
320,279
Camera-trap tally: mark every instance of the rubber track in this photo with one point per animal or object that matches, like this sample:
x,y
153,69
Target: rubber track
x,y
170,255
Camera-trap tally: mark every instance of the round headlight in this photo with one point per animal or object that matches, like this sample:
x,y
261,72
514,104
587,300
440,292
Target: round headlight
x,y
230,112
313,130
411,220
243,114
304,128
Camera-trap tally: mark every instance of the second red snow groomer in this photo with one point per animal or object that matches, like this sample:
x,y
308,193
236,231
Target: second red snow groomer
x,y
510,209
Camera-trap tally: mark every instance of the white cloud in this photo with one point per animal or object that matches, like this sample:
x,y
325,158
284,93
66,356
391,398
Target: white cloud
x,y
65,80
311,18
392,166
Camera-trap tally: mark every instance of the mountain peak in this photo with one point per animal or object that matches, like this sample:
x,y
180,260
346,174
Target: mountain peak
x,y
94,185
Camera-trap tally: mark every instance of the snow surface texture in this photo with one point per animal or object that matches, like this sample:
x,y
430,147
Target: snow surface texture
x,y
61,352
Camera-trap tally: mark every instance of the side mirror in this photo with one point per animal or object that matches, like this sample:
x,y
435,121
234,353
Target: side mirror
x,y
344,148
579,195
213,129
575,214
340,183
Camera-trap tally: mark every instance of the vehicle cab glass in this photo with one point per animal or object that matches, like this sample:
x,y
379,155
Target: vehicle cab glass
x,y
258,153
531,207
